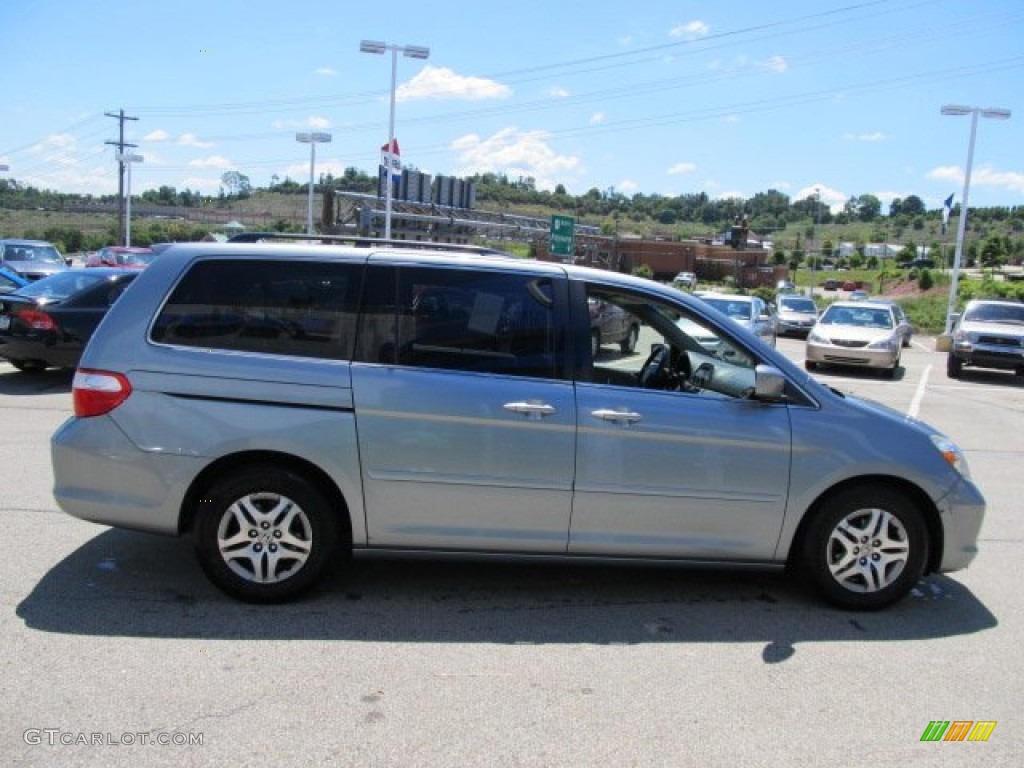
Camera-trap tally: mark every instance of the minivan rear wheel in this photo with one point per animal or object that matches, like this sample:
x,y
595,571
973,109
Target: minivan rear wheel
x,y
264,534
866,548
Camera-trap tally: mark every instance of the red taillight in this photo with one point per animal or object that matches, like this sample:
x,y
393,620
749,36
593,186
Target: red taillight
x,y
36,319
98,392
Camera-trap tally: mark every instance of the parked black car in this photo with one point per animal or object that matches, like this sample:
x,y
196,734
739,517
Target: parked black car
x,y
48,322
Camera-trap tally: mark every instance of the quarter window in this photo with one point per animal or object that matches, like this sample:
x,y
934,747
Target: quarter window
x,y
304,309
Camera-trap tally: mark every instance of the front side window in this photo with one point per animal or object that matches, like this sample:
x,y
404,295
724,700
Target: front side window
x,y
296,308
461,319
673,350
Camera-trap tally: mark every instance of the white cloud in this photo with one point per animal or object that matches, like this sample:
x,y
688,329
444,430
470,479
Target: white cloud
x,y
875,136
325,72
191,140
627,186
157,135
625,40
315,122
514,153
982,177
682,168
690,31
59,141
204,185
443,83
99,180
833,198
597,118
213,161
558,92
775,64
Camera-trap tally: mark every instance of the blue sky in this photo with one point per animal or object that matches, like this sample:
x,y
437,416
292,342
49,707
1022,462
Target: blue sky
x,y
728,98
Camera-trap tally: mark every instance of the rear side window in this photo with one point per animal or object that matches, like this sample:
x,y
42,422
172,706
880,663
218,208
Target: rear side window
x,y
461,319
303,309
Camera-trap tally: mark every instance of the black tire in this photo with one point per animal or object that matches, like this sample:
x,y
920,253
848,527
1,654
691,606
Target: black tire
x,y
810,366
954,366
291,539
851,536
628,344
890,373
28,366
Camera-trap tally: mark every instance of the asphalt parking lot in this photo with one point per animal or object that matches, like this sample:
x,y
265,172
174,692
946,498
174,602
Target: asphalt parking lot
x,y
116,650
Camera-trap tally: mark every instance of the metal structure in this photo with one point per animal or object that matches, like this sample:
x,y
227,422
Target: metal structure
x,y
312,139
957,110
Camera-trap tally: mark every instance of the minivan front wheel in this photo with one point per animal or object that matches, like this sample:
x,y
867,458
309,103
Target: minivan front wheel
x,y
264,535
866,548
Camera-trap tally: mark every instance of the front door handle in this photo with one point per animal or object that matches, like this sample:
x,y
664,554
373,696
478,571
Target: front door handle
x,y
618,415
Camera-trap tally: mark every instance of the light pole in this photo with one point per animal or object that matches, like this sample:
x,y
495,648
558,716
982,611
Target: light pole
x,y
961,229
410,52
312,139
814,235
128,160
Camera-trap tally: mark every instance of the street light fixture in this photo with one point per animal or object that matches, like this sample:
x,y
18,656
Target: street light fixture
x,y
958,110
128,159
410,52
312,139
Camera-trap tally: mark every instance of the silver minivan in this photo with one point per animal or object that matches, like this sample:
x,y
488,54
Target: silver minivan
x,y
291,405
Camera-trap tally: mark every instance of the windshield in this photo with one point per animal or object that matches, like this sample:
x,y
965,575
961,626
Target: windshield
x,y
737,309
861,317
43,254
995,313
797,305
61,286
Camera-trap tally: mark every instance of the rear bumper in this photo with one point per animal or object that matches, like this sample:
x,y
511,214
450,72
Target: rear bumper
x,y
101,476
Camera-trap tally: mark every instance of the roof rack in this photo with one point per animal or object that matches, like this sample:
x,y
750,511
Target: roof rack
x,y
365,242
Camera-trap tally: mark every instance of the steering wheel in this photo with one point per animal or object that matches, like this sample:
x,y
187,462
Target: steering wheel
x,y
654,367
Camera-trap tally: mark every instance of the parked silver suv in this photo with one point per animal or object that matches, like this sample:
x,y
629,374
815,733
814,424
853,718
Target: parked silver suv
x,y
290,405
989,334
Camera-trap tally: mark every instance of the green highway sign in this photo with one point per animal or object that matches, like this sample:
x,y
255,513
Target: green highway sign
x,y
563,235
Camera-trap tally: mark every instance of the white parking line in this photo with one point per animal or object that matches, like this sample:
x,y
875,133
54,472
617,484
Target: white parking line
x,y
922,384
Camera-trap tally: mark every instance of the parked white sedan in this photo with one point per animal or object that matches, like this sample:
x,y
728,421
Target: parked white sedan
x,y
864,334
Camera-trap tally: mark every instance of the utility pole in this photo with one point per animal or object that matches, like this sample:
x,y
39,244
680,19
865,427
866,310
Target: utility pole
x,y
120,144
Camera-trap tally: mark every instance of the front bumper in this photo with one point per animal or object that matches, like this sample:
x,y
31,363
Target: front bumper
x,y
863,357
962,512
980,355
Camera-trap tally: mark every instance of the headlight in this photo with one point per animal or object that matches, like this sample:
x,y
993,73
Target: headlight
x,y
817,337
951,453
889,342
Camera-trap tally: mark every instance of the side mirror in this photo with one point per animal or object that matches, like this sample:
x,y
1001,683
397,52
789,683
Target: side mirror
x,y
769,383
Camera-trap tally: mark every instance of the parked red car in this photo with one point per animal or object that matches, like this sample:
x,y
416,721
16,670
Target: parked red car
x,y
121,256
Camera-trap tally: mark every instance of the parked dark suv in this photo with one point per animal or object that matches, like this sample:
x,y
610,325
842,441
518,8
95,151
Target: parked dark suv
x,y
292,405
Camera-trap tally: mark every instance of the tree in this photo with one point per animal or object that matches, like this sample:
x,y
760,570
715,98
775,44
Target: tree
x,y
867,207
237,184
